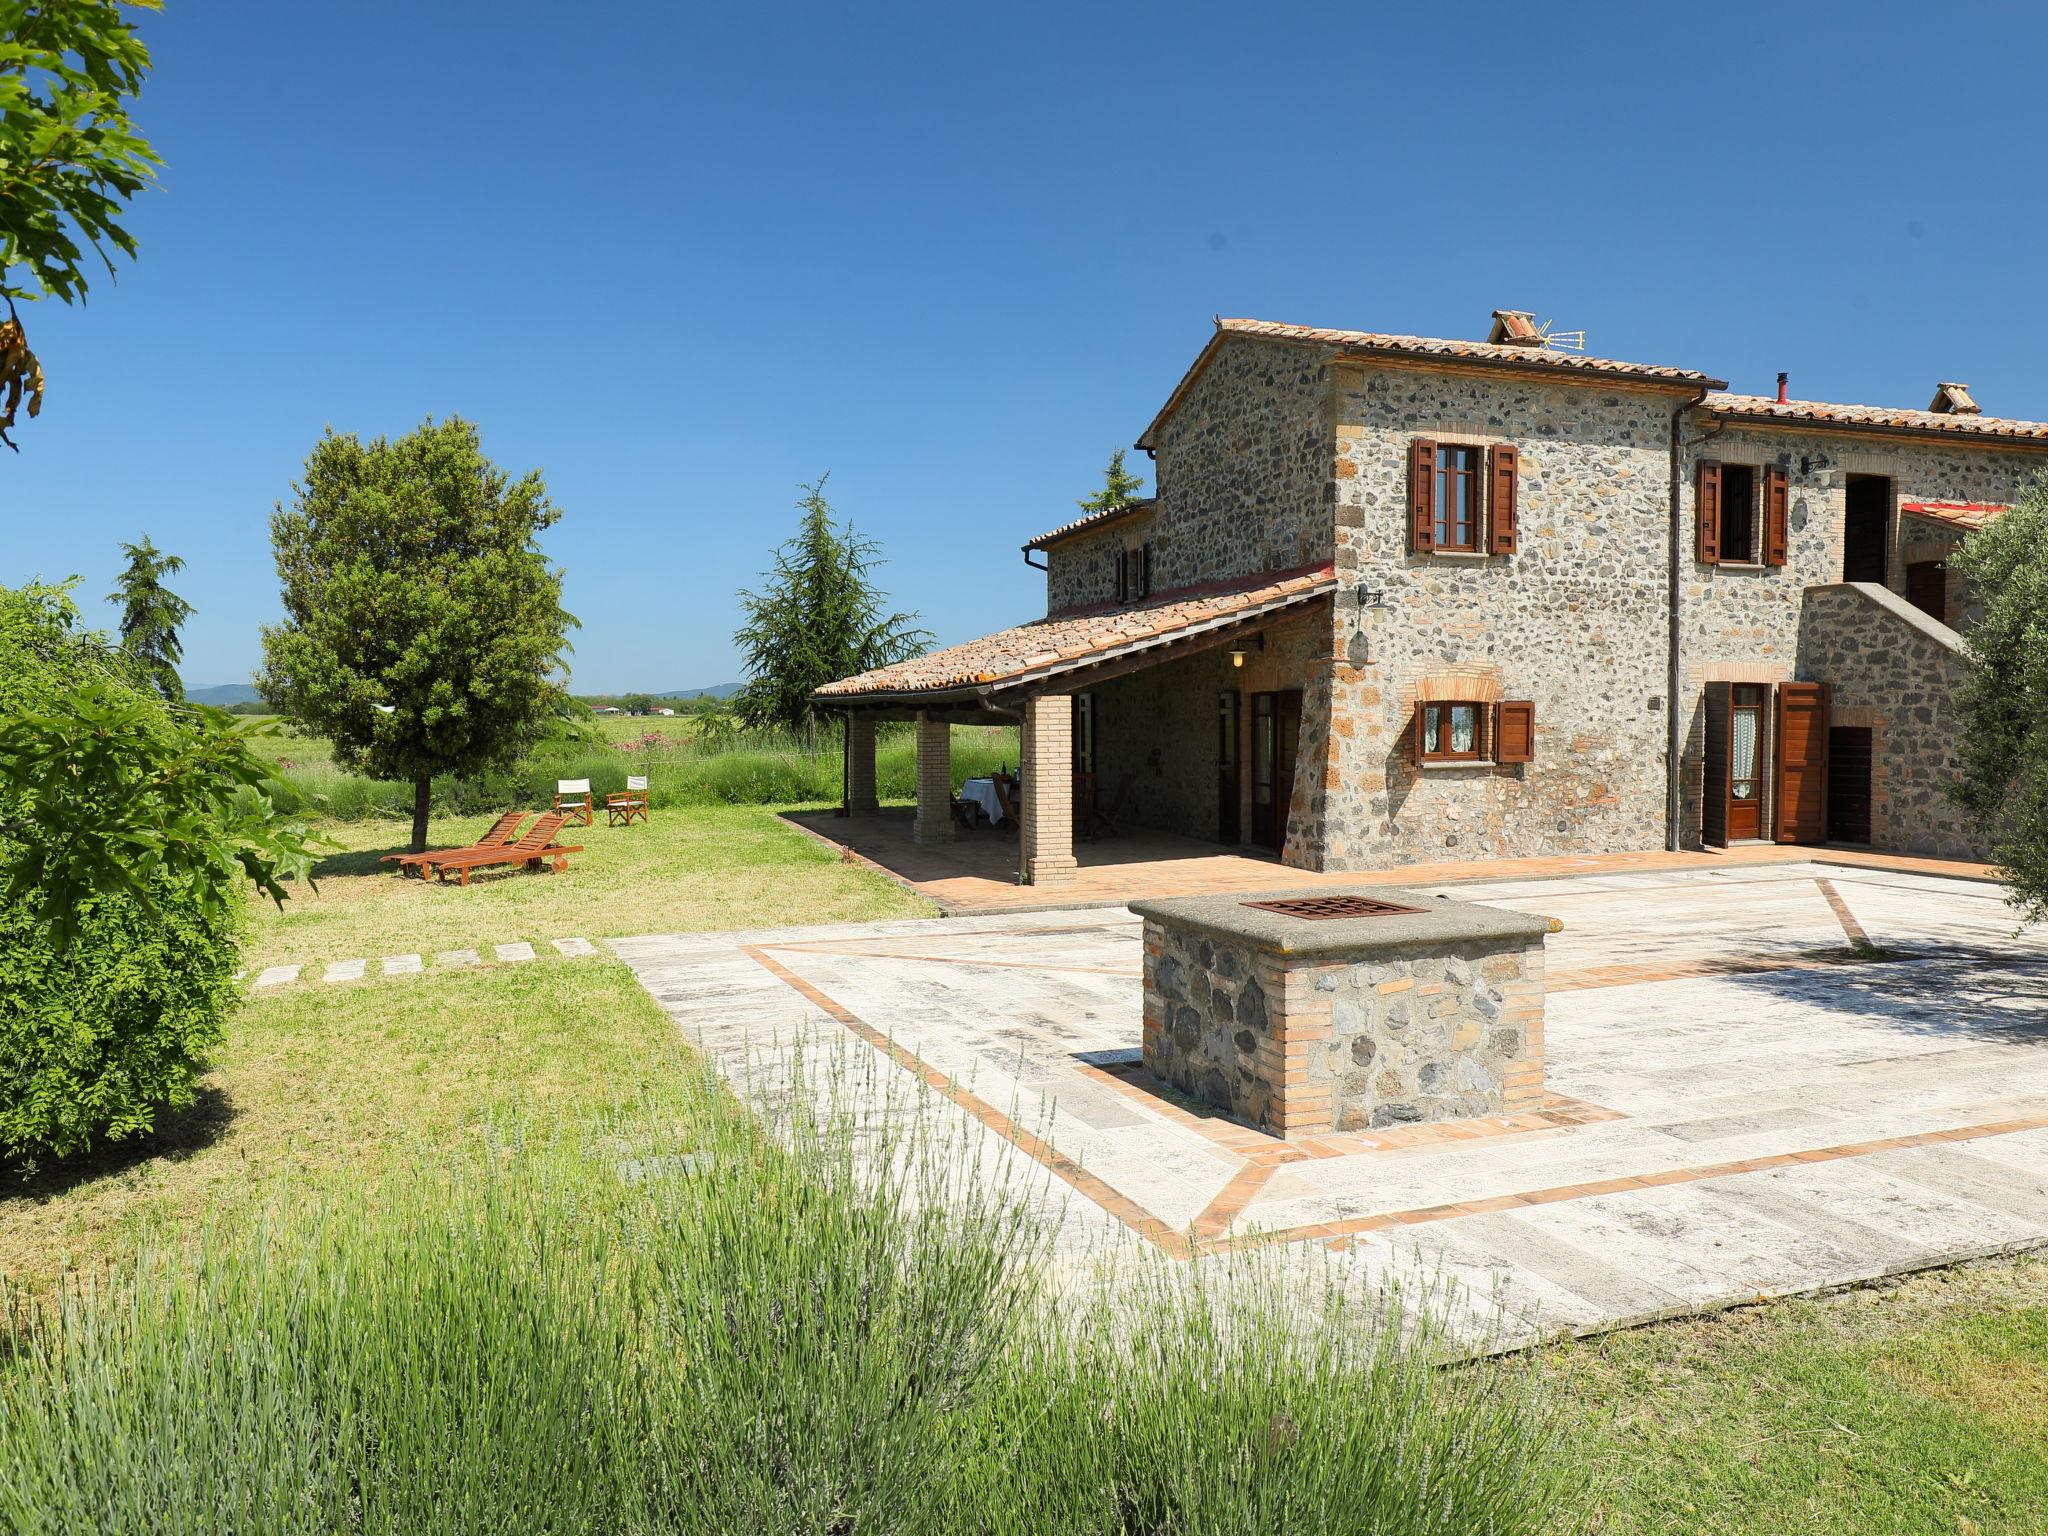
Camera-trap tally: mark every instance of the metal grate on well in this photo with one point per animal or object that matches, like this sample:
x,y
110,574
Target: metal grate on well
x,y
1323,908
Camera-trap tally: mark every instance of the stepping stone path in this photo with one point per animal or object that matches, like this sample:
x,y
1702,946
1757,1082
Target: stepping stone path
x,y
410,965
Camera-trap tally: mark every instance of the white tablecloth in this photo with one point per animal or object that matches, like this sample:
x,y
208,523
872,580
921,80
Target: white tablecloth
x,y
983,793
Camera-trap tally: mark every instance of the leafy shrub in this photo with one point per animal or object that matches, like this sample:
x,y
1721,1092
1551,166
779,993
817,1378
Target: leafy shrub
x,y
95,1039
128,833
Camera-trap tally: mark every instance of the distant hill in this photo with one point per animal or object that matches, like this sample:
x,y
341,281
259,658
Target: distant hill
x,y
222,695
722,691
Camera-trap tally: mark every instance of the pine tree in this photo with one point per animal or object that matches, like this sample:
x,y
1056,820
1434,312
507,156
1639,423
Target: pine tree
x,y
818,618
151,614
1118,488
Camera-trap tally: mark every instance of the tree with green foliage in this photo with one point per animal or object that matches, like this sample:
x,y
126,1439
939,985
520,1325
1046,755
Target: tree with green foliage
x,y
130,832
2004,703
151,613
1118,488
819,617
70,159
424,633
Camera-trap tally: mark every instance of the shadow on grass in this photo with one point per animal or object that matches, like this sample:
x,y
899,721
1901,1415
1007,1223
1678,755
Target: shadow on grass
x,y
178,1134
366,861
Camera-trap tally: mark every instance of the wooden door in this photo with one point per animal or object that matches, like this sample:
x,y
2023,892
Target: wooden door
x,y
1927,588
1229,821
1848,783
1714,791
1745,765
1802,763
1276,731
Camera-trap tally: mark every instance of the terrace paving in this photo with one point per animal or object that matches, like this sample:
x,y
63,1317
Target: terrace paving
x,y
1746,1099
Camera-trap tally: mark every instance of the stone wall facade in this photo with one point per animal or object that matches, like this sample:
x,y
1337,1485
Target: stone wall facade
x,y
1893,669
1244,465
1280,455
1081,571
1749,624
1307,1045
1573,621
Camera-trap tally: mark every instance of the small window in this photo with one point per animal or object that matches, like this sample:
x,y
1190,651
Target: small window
x,y
1141,563
1457,497
1450,732
1738,515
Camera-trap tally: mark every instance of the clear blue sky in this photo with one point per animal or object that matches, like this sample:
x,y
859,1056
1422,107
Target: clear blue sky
x,y
683,257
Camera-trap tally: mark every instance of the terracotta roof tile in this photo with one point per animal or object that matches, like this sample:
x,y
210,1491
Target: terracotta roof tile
x,y
1968,516
1093,521
1061,642
1518,354
1521,356
1882,417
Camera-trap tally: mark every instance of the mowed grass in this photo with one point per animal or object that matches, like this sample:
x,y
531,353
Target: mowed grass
x,y
689,867
1920,1406
323,1082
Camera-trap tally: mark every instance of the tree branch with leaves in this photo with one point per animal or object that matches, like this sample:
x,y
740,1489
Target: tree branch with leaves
x,y
70,161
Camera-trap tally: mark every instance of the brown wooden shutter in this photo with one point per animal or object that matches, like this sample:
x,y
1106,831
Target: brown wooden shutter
x,y
1421,496
1123,575
1777,519
1802,762
1707,508
1514,731
1415,732
1501,493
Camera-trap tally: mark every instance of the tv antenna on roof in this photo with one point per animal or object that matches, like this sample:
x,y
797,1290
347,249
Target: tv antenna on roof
x,y
1560,341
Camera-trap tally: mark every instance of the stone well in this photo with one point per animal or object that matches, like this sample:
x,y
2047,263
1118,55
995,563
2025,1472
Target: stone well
x,y
1304,1023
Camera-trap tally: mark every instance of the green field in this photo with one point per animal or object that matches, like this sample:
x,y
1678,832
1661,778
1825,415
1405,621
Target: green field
x,y
683,765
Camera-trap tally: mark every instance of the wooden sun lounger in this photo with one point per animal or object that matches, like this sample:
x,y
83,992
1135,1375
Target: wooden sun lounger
x,y
503,831
530,850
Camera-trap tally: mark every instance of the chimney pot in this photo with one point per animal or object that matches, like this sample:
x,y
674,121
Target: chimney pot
x,y
1783,383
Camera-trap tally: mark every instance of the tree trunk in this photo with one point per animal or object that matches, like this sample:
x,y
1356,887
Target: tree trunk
x,y
422,791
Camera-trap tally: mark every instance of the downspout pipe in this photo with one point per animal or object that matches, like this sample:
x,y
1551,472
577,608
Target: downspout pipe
x,y
1674,796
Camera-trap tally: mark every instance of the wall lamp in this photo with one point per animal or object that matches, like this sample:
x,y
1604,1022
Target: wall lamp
x,y
1372,597
1245,647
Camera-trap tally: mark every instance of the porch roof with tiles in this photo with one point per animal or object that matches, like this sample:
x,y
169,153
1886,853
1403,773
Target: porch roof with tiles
x,y
1046,649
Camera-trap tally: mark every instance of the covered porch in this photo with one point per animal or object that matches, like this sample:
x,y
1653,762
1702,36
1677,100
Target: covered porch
x,y
1031,676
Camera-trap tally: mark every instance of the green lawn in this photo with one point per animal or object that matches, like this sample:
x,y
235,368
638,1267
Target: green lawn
x,y
688,867
1917,1407
1920,1406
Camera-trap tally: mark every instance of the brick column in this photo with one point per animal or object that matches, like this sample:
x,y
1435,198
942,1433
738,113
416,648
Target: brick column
x,y
1045,841
860,766
934,780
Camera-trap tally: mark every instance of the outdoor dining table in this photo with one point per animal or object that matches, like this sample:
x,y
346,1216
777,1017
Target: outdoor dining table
x,y
982,792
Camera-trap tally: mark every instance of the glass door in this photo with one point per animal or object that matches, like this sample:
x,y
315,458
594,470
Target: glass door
x,y
1745,762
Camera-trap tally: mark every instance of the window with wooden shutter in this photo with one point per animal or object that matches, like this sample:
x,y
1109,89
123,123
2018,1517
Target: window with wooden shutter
x,y
1777,516
1707,510
1502,472
1421,496
1145,569
1123,575
1514,731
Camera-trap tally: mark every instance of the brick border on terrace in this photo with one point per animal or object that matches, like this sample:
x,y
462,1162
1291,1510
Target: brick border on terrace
x,y
1261,1154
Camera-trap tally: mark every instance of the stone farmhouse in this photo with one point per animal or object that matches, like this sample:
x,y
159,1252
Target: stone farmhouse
x,y
1401,599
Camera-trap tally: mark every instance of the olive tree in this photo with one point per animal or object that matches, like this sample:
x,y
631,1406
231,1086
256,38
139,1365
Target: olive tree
x,y
424,632
2004,702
